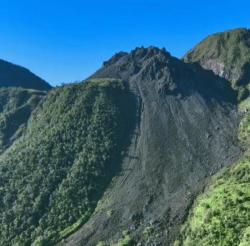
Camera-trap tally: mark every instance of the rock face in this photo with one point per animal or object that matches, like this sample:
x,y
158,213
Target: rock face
x,y
227,54
15,76
185,132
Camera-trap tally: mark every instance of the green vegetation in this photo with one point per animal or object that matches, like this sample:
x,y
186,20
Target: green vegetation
x,y
126,240
16,106
230,50
221,216
54,175
244,127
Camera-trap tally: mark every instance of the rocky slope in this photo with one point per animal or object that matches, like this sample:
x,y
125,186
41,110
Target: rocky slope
x,y
227,54
186,131
221,215
16,76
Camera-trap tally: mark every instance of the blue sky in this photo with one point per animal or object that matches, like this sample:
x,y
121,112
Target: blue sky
x,y
65,41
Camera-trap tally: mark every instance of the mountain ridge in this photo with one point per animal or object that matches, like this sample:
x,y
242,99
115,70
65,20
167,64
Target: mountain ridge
x,y
227,54
12,75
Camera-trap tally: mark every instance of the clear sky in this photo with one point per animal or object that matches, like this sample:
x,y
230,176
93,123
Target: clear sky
x,y
67,40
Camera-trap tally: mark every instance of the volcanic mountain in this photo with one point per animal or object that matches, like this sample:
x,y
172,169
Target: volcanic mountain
x,y
119,159
185,131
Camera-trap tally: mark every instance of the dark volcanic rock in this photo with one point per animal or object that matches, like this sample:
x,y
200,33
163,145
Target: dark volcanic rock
x,y
186,131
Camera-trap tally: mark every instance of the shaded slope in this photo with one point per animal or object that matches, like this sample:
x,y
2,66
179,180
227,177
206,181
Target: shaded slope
x,y
228,55
16,106
186,132
52,177
16,76
221,216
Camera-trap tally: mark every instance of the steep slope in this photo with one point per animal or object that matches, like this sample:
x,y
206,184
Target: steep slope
x,y
16,76
53,176
187,131
228,55
221,216
16,106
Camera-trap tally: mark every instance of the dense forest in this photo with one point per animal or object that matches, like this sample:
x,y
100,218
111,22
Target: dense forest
x,y
53,176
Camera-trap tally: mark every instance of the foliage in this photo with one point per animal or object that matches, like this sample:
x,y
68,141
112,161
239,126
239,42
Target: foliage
x,y
221,216
16,106
230,51
126,240
54,175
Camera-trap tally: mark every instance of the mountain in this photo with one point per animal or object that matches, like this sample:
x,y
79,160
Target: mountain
x,y
186,131
227,54
20,93
138,154
16,107
220,216
16,76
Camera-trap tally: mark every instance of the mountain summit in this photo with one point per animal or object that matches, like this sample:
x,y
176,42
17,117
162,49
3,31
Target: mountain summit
x,y
227,54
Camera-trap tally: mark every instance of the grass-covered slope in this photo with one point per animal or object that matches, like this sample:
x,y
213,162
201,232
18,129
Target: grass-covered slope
x,y
228,55
16,106
221,216
52,178
12,75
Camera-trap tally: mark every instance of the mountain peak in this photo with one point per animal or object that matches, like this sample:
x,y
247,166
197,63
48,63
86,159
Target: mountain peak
x,y
139,54
166,73
227,54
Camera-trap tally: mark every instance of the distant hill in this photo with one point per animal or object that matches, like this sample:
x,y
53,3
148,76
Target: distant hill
x,y
227,54
12,75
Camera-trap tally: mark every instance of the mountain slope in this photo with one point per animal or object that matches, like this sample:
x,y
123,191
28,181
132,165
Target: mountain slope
x,y
221,216
118,159
16,106
228,55
53,176
16,76
187,131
